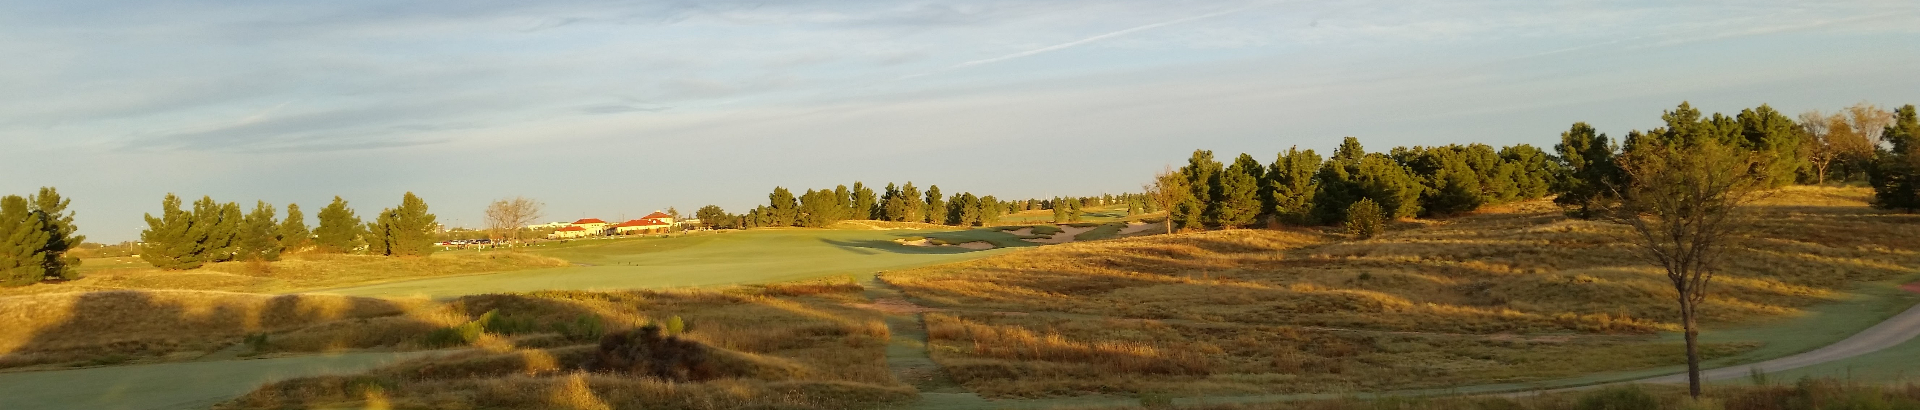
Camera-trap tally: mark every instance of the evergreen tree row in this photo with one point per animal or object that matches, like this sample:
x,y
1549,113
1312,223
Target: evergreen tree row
x,y
211,232
1301,188
823,207
36,234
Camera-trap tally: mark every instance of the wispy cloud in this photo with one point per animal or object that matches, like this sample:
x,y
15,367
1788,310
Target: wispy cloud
x,y
1085,41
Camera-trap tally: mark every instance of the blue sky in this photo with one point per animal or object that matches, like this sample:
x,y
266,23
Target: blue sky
x,y
616,108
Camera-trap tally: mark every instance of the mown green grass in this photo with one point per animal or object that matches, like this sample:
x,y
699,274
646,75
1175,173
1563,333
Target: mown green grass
x,y
717,259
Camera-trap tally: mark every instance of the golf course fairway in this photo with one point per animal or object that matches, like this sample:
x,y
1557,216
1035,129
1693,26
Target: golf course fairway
x,y
700,260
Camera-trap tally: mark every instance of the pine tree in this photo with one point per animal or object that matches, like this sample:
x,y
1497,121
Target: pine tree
x,y
843,197
339,230
1238,203
916,206
260,234
1895,175
171,241
1203,178
964,209
413,226
782,208
1452,186
294,235
990,210
221,223
1591,171
23,241
936,206
1059,209
1365,219
863,202
1772,134
1073,210
61,233
1293,186
821,208
379,235
1534,172
1354,174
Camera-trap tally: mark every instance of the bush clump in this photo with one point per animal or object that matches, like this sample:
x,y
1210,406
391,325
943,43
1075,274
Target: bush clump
x,y
1366,219
647,351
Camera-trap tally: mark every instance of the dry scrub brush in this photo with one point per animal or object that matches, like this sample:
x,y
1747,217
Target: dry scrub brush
x,y
1524,269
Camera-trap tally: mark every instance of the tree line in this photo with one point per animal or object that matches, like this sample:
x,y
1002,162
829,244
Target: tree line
x,y
1301,188
898,203
37,235
211,232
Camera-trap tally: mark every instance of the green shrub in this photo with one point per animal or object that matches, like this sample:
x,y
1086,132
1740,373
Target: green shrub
x,y
464,334
676,326
1627,397
584,328
1365,218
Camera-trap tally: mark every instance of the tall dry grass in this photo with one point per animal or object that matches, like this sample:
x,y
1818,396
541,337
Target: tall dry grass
x,y
122,325
778,346
1471,299
295,272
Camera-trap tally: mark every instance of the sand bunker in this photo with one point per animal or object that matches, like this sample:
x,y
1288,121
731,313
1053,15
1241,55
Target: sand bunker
x,y
975,245
1066,234
1138,227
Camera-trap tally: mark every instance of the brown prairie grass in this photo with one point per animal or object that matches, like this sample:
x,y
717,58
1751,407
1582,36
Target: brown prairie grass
x,y
74,327
1431,302
777,346
294,272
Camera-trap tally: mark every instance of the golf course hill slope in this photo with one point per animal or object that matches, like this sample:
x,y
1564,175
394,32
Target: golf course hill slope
x,y
1513,294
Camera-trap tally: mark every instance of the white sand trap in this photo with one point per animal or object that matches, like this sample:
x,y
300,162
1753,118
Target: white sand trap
x,y
1138,227
1066,234
975,245
1022,231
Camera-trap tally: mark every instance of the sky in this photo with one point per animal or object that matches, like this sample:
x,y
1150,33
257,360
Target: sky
x,y
613,109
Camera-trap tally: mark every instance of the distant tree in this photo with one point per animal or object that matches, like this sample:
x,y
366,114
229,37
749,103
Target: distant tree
x,y
821,208
936,206
991,209
508,218
1167,190
23,240
1534,172
965,209
1686,200
1591,170
1203,180
171,241
782,208
380,233
1059,209
1365,218
844,198
1293,185
711,215
1354,174
294,235
1073,210
222,222
1134,208
863,202
916,206
1818,147
1895,176
339,230
62,234
259,234
1768,132
1452,186
413,228
1237,203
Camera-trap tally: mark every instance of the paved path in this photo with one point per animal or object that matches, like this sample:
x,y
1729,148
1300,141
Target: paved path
x,y
1889,333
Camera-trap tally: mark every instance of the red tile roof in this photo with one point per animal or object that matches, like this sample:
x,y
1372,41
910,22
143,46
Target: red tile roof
x,y
570,229
642,222
657,215
588,221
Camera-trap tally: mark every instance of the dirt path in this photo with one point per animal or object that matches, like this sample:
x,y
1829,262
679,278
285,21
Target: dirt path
x,y
1889,333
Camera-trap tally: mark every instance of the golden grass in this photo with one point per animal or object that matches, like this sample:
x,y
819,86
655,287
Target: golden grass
x,y
777,346
304,271
1800,395
1432,302
123,325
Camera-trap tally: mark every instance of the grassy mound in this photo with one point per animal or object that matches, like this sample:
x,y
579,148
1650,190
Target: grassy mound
x,y
1515,294
771,346
114,326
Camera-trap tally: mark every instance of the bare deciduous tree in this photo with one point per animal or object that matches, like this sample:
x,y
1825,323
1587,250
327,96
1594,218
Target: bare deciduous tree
x,y
1869,121
1686,203
1169,187
1819,146
508,217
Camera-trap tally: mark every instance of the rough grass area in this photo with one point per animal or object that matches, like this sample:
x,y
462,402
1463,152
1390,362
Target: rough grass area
x,y
788,346
1468,300
1807,394
304,271
101,328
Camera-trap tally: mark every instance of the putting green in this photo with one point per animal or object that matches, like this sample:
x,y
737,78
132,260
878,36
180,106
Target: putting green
x,y
700,260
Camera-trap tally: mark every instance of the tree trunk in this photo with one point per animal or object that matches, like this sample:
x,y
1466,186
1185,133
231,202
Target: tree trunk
x,y
1693,345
